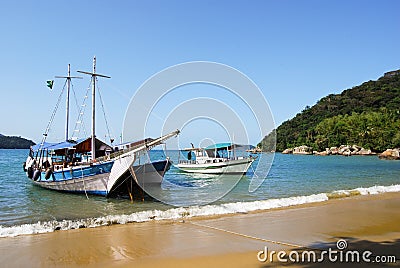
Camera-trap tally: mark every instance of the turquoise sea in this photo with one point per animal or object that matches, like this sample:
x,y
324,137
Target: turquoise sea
x,y
292,179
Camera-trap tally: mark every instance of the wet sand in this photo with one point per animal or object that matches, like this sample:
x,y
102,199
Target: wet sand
x,y
366,222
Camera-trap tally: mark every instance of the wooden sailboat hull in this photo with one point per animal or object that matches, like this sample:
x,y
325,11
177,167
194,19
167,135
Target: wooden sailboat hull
x,y
151,173
96,185
146,175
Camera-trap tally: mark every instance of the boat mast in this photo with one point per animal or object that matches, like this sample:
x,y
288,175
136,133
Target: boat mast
x,y
67,103
68,77
94,75
93,146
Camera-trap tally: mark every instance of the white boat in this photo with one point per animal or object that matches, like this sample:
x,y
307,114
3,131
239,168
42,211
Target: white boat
x,y
91,166
219,158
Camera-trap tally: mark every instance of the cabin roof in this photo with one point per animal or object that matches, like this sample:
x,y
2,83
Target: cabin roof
x,y
80,145
56,145
219,146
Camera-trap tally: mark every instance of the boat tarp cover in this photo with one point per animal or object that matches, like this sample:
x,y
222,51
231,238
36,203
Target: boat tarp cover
x,y
223,146
80,145
56,145
219,146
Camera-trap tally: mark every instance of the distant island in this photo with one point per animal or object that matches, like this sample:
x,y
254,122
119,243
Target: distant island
x,y
13,142
367,115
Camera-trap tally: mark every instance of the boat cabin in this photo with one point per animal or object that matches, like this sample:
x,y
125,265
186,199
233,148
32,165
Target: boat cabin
x,y
68,153
219,152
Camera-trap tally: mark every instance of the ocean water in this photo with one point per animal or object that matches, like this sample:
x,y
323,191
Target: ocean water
x,y
292,179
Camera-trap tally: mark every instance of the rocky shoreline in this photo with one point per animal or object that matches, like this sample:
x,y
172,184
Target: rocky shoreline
x,y
345,150
390,154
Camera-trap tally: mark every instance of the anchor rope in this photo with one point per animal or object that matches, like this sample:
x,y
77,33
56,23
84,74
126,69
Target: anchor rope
x,y
132,170
122,182
249,236
83,181
167,158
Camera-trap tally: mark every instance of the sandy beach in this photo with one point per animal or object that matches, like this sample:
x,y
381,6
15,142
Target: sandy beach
x,y
365,222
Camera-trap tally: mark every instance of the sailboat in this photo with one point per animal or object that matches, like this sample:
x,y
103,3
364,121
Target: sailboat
x,y
89,165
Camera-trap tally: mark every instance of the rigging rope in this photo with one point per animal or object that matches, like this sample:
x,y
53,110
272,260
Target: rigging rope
x,y
52,116
78,109
104,114
79,120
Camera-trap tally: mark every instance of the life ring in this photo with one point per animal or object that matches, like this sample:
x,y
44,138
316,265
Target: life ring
x,y
36,174
29,172
48,173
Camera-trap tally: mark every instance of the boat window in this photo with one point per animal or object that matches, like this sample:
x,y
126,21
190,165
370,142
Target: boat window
x,y
210,153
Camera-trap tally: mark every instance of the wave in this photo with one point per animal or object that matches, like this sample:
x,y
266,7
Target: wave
x,y
364,191
188,212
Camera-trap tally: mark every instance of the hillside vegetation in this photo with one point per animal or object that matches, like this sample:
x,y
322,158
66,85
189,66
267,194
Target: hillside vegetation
x,y
367,115
7,142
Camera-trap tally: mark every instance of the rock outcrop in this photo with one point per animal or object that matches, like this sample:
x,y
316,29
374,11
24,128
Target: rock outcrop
x,y
288,151
302,150
345,150
390,154
299,150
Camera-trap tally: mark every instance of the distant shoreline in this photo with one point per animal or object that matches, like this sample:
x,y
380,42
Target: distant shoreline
x,y
344,150
15,142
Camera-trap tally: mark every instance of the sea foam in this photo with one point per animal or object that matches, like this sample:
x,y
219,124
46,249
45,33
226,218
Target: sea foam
x,y
188,212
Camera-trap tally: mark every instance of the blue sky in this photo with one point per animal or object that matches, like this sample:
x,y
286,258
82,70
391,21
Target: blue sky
x,y
295,51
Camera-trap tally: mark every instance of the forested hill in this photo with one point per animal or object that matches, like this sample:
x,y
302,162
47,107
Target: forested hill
x,y
7,142
367,115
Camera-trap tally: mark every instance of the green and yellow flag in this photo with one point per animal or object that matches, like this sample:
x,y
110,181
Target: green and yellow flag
x,y
50,83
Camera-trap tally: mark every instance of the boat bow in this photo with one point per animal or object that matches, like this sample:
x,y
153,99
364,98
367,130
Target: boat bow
x,y
123,160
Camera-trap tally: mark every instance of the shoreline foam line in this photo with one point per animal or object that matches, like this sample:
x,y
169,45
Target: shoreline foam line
x,y
189,212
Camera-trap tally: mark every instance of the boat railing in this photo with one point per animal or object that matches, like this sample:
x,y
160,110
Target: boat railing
x,y
211,160
138,148
115,154
187,162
